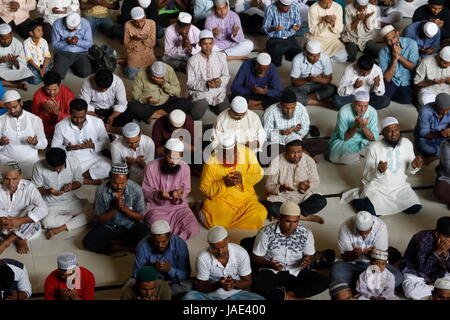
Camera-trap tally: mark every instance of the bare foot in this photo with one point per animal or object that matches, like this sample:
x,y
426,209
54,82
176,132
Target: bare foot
x,y
313,218
22,246
53,232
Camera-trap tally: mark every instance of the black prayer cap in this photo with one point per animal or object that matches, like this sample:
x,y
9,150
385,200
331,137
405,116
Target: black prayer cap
x,y
288,96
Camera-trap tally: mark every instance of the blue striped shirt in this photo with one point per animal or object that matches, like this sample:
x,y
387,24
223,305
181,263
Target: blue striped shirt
x,y
287,20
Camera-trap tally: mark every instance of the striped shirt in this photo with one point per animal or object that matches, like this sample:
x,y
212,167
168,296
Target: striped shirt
x,y
287,20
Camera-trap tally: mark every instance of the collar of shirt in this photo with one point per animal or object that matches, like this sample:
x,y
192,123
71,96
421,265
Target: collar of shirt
x,y
75,127
230,262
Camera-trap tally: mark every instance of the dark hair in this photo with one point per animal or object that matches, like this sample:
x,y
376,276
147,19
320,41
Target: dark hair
x,y
33,25
365,62
182,24
78,105
166,151
6,277
436,2
103,78
294,143
51,77
55,157
443,226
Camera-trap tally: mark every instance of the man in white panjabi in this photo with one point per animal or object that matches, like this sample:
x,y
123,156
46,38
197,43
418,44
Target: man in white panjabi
x,y
84,137
21,134
384,189
52,10
21,209
245,123
135,149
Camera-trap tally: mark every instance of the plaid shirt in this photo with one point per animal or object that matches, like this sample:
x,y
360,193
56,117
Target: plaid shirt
x,y
274,18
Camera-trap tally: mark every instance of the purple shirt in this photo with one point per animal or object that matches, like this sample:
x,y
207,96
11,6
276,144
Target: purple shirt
x,y
172,42
225,39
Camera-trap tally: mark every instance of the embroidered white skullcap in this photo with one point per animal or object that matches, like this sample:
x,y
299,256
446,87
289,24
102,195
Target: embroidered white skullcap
x,y
290,209
313,46
11,95
160,227
442,283
379,254
364,221
5,29
175,145
362,95
286,2
137,13
386,29
144,3
264,59
67,261
219,2
177,118
184,17
159,69
119,168
388,121
239,104
131,130
227,140
10,166
430,29
363,2
445,53
205,34
73,20
217,234
292,137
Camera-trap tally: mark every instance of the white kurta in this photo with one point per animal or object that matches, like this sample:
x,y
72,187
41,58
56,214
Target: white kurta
x,y
8,71
120,151
17,130
247,129
389,192
350,76
45,7
407,8
361,35
90,159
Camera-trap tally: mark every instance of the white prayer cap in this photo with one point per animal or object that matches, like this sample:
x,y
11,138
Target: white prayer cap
x,y
174,145
286,2
160,227
445,53
11,95
219,2
378,254
5,29
313,46
184,17
362,96
239,104
388,121
67,261
10,166
290,209
386,29
73,20
442,283
364,221
131,130
144,3
177,118
205,34
158,69
363,2
217,234
264,59
227,140
292,137
137,13
430,29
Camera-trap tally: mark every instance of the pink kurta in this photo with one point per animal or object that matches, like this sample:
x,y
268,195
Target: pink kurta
x,y
176,212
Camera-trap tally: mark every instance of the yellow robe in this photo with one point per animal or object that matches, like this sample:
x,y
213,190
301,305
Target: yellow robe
x,y
232,207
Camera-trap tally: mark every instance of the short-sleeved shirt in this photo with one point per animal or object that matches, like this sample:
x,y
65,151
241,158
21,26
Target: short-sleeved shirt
x,y
209,268
302,68
36,52
98,11
289,251
21,279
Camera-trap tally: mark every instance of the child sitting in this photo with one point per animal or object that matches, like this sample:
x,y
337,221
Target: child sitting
x,y
37,53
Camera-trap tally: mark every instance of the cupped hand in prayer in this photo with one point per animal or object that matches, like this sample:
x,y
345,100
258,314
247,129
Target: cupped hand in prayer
x,y
59,11
166,195
357,251
235,31
376,81
445,133
4,141
304,185
55,192
296,27
88,144
32,140
227,283
358,83
14,6
285,187
306,261
417,162
216,32
275,265
177,194
382,166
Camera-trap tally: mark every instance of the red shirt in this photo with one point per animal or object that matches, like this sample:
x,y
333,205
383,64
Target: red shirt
x,y
53,283
64,96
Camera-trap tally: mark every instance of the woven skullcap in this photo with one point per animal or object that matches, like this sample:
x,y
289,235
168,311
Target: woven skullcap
x,y
160,227
430,29
219,2
10,166
174,145
362,96
67,261
286,2
338,286
177,118
292,137
386,29
363,2
206,34
73,20
379,254
131,130
313,46
290,209
146,274
388,121
226,140
364,221
11,95
442,101
445,53
264,59
184,17
217,234
5,29
137,13
442,283
239,104
119,168
145,3
158,69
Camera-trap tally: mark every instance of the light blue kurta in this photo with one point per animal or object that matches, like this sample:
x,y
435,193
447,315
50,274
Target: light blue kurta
x,y
345,120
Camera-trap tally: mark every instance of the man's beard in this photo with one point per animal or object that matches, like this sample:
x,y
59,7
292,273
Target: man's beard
x,y
287,117
392,144
167,169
